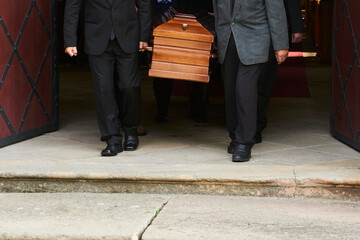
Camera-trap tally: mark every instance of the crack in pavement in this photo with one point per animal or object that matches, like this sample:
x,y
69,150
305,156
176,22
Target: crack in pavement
x,y
138,236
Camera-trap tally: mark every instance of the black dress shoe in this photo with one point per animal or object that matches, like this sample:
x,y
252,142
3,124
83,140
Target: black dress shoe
x,y
131,142
242,153
231,148
111,149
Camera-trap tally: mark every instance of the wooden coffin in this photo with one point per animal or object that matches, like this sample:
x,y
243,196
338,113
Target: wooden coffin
x,y
181,50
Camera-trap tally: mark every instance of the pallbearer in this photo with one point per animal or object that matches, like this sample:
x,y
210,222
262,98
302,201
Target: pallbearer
x,y
114,31
244,29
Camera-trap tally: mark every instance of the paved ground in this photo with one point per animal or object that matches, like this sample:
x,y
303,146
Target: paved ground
x,y
173,217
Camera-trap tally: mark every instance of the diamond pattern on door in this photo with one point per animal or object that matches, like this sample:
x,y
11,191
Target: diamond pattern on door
x,y
28,76
345,111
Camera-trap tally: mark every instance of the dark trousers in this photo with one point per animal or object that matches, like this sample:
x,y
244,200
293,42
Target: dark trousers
x,y
198,97
111,116
162,90
265,88
240,83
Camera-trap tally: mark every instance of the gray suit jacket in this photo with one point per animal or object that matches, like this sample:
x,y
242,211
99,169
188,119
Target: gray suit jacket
x,y
254,23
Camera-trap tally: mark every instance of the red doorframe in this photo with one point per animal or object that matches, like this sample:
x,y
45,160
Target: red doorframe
x,y
28,69
345,102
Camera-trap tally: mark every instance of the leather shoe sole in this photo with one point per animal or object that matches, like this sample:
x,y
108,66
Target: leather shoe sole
x,y
241,158
130,147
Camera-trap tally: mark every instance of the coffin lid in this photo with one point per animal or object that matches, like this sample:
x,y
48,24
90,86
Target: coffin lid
x,y
174,29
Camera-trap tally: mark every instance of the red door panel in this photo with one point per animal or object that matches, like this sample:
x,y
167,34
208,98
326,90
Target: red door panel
x,y
345,105
28,74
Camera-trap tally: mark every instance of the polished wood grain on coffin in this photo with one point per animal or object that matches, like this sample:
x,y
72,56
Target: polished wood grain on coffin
x,y
179,75
181,55
175,30
179,68
174,42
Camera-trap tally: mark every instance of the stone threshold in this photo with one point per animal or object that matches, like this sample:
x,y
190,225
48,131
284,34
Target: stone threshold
x,y
289,187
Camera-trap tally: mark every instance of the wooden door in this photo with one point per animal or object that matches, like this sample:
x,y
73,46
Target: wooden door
x,y
28,75
345,104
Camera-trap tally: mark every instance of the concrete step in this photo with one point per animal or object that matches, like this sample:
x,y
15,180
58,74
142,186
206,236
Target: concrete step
x,y
333,181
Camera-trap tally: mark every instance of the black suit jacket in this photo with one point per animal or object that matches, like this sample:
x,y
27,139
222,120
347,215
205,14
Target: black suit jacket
x,y
194,6
129,26
293,12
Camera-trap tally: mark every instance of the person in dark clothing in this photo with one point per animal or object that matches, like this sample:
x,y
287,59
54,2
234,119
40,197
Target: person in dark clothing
x,y
245,30
269,71
162,86
199,92
114,32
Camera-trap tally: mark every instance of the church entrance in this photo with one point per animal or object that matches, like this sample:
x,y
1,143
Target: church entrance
x,y
29,93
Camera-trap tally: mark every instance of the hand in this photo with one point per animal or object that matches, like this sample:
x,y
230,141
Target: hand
x,y
143,45
281,55
296,37
71,51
